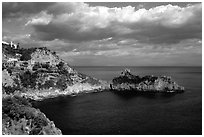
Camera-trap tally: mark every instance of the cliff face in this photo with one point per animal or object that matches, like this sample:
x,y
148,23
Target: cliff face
x,y
127,81
39,73
36,73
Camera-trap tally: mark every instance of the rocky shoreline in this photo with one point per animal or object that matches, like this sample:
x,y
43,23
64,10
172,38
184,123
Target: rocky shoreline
x,y
39,95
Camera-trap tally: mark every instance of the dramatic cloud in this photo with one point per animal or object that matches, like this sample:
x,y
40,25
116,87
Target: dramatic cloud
x,y
162,24
129,34
13,9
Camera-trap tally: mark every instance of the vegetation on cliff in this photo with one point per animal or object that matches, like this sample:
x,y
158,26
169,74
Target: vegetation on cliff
x,y
127,81
41,69
36,73
20,118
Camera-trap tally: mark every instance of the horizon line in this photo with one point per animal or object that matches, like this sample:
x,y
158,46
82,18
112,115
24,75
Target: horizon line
x,y
130,66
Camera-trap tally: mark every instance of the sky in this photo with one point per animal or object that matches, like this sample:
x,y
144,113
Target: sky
x,y
109,33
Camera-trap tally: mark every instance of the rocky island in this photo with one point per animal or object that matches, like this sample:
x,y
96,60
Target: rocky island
x,y
129,82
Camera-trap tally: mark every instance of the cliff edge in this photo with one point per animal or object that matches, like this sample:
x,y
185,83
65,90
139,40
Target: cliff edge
x,y
39,73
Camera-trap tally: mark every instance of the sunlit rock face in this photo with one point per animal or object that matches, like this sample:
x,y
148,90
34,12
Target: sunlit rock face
x,y
39,73
127,81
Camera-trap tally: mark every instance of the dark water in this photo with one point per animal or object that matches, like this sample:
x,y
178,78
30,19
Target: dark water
x,y
110,113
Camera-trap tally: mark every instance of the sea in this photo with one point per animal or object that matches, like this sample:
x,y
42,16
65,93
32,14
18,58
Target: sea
x,y
108,113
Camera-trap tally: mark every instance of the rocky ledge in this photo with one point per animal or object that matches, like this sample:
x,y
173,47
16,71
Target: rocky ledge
x,y
73,90
129,82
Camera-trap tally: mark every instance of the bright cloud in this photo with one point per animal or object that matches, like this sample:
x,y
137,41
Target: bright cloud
x,y
83,23
85,34
41,19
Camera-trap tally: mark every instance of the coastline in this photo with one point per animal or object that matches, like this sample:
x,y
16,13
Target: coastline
x,y
39,95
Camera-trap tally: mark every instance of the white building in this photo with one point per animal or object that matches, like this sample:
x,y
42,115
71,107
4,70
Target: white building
x,y
10,44
6,43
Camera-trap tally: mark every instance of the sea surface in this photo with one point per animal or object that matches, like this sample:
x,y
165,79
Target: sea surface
x,y
108,113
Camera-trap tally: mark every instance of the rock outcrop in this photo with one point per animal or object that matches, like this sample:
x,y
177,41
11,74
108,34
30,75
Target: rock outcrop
x,y
129,82
39,73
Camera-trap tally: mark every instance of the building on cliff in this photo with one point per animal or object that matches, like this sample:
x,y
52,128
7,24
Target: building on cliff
x,y
11,44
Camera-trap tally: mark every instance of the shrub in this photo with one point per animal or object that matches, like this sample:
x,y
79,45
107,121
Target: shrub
x,y
26,53
125,79
60,66
9,89
47,66
28,79
19,113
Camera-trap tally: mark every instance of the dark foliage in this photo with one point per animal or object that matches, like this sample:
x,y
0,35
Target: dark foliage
x,y
9,89
9,103
28,79
126,79
26,53
61,68
9,71
46,66
62,82
41,65
8,50
133,79
16,108
48,84
149,78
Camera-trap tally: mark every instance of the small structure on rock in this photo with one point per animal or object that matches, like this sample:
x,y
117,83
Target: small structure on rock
x,y
11,44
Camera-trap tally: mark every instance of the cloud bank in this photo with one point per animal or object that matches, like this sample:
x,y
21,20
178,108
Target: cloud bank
x,y
79,30
162,24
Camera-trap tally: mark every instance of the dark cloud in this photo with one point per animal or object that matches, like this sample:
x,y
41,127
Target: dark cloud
x,y
17,9
146,5
160,34
63,7
65,32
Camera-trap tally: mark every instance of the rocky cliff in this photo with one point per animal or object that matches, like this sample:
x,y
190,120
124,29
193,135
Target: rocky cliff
x,y
35,74
39,73
129,82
